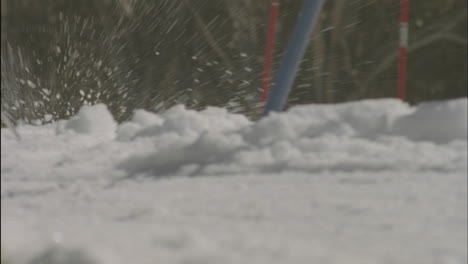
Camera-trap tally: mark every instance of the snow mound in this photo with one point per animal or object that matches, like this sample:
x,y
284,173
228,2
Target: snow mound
x,y
371,135
91,120
439,122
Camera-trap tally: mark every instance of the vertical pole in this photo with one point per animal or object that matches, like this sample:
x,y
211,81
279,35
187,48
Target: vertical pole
x,y
269,49
295,50
403,59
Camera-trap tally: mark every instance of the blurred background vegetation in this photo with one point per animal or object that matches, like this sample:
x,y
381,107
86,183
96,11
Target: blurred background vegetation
x,y
57,55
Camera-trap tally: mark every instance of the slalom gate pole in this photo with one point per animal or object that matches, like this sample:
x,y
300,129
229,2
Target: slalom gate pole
x,y
269,49
295,50
403,59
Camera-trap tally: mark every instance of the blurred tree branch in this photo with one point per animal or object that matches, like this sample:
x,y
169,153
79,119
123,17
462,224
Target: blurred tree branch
x,y
436,32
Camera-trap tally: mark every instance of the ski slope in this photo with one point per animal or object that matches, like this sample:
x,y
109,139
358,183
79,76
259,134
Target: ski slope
x,y
374,181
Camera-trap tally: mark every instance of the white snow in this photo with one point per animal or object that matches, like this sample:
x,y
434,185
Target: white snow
x,y
92,121
374,181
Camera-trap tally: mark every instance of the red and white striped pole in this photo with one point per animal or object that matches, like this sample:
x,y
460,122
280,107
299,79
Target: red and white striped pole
x,y
269,49
404,8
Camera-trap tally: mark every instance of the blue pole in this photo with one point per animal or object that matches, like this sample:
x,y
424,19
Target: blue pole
x,y
291,60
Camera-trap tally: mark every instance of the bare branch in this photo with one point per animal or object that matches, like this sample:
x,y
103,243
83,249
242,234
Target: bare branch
x,y
455,39
422,40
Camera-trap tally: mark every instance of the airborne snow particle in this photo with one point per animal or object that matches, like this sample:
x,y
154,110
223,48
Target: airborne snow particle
x,y
31,84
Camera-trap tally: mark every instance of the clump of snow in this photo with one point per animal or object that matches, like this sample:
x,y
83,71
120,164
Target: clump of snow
x,y
140,120
190,123
91,120
439,122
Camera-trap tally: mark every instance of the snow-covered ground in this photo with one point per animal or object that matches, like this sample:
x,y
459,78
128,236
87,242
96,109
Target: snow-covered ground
x,y
372,182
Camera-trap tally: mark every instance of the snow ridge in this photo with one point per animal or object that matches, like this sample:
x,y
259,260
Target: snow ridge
x,y
371,135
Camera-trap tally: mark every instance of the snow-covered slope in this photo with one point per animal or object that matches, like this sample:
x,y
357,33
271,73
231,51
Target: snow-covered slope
x,y
374,181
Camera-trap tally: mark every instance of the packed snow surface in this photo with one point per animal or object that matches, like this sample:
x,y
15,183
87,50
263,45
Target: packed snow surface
x,y
374,181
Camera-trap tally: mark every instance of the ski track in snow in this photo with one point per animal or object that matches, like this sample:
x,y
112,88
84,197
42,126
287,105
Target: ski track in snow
x,y
374,181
